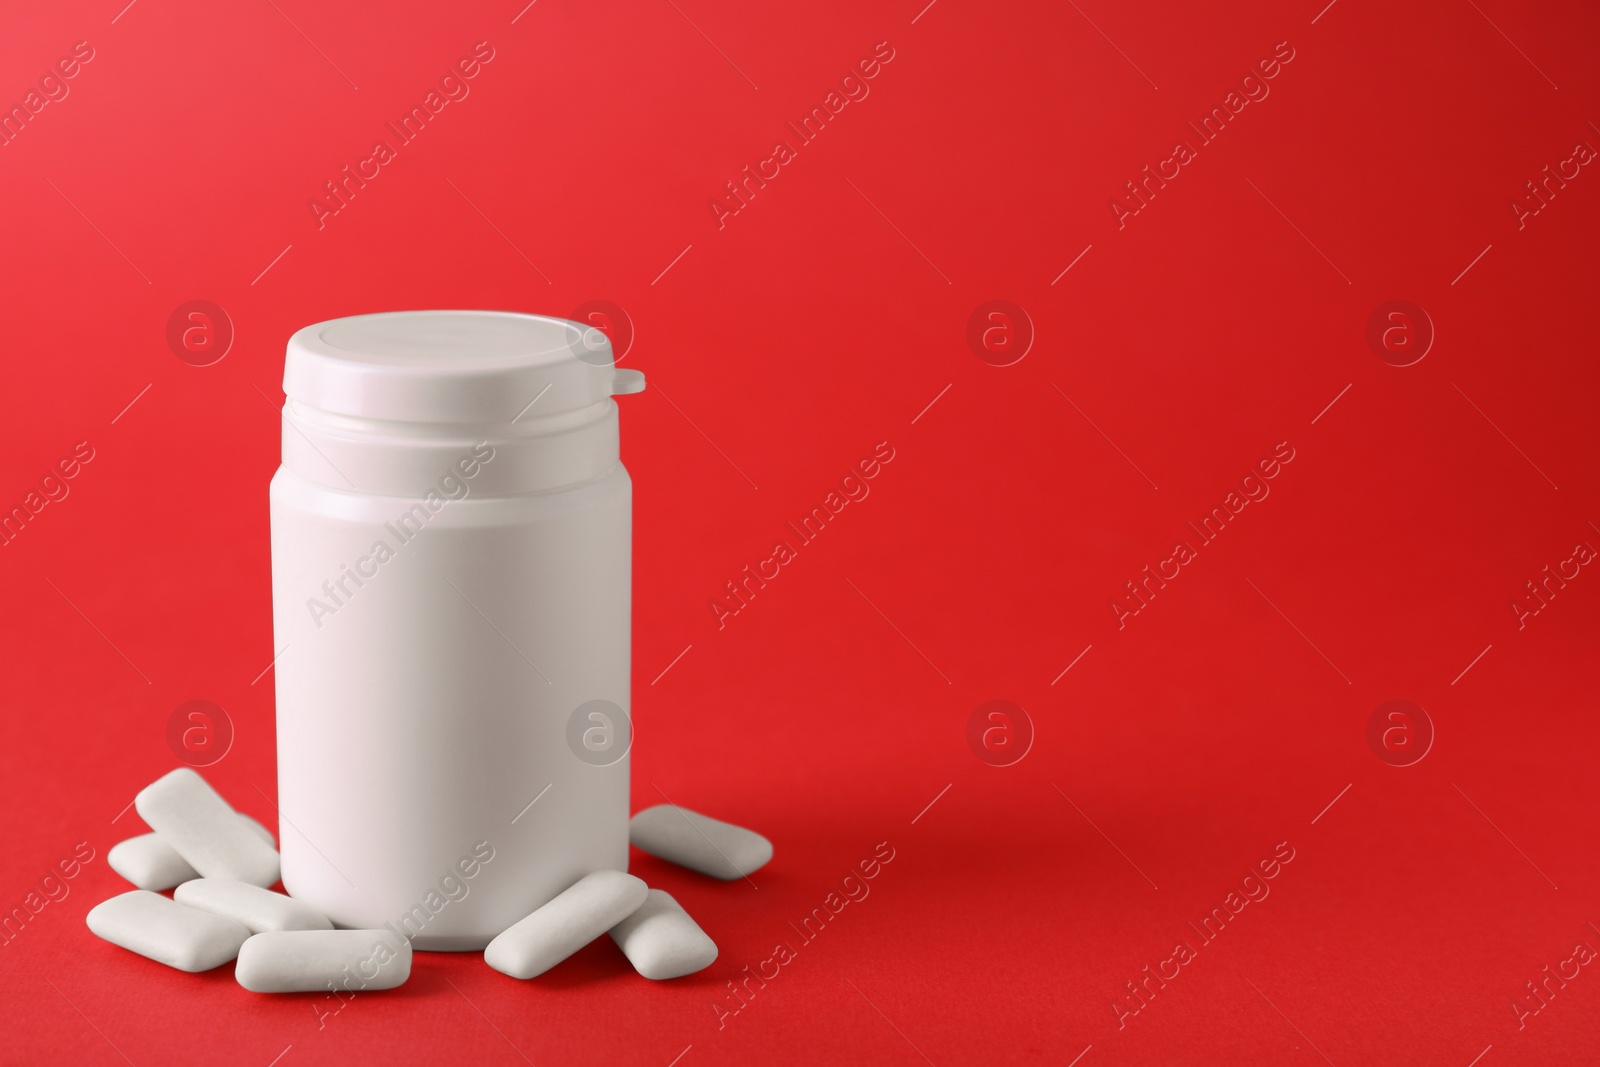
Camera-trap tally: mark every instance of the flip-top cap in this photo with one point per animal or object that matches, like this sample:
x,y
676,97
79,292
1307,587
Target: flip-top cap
x,y
452,366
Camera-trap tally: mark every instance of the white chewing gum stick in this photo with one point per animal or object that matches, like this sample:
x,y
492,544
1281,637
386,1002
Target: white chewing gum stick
x,y
576,916
699,842
201,827
150,863
259,909
661,941
167,932
299,961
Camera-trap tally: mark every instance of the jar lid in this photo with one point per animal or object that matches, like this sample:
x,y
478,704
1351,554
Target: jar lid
x,y
452,366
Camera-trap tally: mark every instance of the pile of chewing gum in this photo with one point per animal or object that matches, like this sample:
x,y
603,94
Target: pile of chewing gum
x,y
220,863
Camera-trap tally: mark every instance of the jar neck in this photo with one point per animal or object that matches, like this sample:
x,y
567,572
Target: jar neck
x,y
408,459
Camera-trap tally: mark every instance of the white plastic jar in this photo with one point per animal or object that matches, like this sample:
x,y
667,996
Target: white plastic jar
x,y
451,571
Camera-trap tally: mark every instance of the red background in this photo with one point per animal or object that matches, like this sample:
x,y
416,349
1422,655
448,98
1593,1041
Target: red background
x,y
820,320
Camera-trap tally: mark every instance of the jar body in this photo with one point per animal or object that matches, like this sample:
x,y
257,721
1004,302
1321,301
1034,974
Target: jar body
x,y
433,656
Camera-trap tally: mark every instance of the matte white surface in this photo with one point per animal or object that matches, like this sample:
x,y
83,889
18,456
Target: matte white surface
x,y
386,403
578,915
167,932
424,699
661,941
150,863
201,827
699,842
448,366
291,961
258,829
259,909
